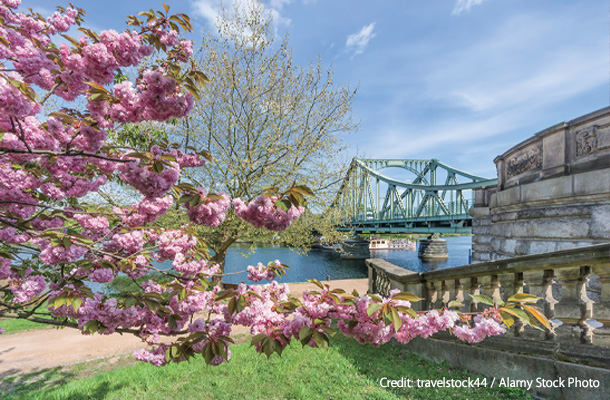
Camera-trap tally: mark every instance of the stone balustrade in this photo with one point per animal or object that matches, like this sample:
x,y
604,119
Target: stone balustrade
x,y
574,286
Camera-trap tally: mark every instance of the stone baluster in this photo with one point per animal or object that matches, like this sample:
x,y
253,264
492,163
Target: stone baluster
x,y
475,288
512,283
458,293
462,289
537,284
550,299
601,310
433,295
490,286
448,292
574,308
418,289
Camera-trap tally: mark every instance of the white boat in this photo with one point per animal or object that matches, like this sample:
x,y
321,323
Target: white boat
x,y
387,244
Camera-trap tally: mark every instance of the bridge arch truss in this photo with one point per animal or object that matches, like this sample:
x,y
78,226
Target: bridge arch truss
x,y
371,201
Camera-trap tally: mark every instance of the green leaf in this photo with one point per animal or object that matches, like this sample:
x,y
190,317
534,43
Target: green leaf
x,y
91,326
329,331
257,339
321,339
407,296
267,347
76,303
538,315
455,304
225,294
481,298
517,312
208,354
130,301
59,300
524,298
277,346
373,308
158,167
316,282
241,304
305,332
396,319
507,319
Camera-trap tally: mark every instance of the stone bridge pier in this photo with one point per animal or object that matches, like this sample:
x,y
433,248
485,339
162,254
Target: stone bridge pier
x,y
553,193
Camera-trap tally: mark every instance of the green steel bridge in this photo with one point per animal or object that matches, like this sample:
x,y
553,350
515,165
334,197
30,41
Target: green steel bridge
x,y
435,199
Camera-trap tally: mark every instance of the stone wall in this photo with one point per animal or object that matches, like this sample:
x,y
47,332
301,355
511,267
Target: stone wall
x,y
578,344
553,192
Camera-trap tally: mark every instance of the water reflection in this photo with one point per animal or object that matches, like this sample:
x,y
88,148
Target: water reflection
x,y
321,264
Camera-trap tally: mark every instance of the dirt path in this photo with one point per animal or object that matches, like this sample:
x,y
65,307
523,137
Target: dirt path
x,y
34,350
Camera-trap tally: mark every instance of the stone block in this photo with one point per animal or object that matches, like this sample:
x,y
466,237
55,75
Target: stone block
x,y
509,364
483,239
479,212
508,246
576,391
553,150
570,244
593,182
547,189
506,197
481,230
481,257
538,246
600,221
497,243
514,229
562,228
481,248
503,216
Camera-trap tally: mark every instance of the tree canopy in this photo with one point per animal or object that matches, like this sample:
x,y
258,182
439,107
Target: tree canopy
x,y
54,245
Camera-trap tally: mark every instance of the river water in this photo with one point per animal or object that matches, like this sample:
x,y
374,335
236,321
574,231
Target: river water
x,y
321,264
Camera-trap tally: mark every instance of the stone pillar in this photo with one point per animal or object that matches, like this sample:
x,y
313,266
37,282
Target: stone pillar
x,y
433,249
355,248
601,310
574,308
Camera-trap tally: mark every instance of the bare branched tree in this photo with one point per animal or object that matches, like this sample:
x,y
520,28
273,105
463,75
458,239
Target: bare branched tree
x,y
267,122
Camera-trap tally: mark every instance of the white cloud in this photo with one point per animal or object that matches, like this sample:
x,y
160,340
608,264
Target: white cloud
x,y
518,64
357,42
211,9
487,94
465,5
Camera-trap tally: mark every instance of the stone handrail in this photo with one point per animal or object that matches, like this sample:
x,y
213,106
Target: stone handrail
x,y
574,286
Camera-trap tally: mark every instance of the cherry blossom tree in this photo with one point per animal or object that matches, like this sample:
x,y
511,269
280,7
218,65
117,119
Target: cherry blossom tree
x,y
54,244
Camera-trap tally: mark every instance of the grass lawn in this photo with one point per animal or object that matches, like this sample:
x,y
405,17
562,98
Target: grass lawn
x,y
17,325
345,371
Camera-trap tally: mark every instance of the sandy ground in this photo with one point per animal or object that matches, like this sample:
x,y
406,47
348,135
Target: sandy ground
x,y
35,350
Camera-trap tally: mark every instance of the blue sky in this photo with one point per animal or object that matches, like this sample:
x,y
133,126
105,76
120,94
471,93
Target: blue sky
x,y
457,80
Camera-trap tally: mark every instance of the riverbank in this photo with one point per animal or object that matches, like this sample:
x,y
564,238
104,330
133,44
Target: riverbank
x,y
29,351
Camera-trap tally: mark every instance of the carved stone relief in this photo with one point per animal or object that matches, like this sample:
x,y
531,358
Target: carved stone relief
x,y
586,141
526,160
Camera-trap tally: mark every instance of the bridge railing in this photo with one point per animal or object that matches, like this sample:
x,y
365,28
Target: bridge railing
x,y
457,209
574,286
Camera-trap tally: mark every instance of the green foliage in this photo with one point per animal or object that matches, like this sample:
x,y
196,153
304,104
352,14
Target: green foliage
x,y
125,284
347,370
18,325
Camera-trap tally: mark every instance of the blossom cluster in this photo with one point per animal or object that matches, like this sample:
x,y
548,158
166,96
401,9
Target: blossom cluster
x,y
260,271
210,212
316,312
264,213
145,211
